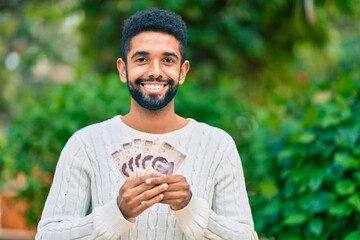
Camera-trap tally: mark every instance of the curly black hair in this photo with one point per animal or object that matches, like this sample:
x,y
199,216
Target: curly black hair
x,y
157,20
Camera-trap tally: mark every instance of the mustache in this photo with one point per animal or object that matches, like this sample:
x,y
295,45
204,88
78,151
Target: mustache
x,y
143,80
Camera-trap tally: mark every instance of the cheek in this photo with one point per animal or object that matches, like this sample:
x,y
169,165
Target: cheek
x,y
134,74
172,73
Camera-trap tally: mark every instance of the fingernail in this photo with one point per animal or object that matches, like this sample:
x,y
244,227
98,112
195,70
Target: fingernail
x,y
161,196
148,181
164,185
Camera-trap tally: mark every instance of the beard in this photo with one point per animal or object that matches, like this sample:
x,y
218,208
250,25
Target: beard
x,y
152,102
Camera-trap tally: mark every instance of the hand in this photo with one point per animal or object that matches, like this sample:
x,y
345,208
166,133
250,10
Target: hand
x,y
178,193
135,196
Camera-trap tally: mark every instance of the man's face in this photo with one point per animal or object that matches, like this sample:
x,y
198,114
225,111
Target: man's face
x,y
161,166
153,71
152,101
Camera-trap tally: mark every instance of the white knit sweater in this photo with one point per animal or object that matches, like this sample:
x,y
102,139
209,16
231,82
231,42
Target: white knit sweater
x,y
82,200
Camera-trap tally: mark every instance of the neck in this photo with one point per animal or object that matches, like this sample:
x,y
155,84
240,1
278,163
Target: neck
x,y
161,121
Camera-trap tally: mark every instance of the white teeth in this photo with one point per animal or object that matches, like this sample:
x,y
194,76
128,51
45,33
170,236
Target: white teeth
x,y
154,87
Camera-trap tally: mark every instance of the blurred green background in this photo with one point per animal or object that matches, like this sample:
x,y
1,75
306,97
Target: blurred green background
x,y
282,77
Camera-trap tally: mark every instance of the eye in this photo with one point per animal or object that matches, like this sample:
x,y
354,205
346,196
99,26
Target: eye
x,y
168,60
141,60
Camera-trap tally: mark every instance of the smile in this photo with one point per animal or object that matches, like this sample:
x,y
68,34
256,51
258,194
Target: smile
x,y
152,87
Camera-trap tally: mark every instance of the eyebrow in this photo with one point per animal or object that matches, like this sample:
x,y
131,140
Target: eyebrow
x,y
140,53
170,54
144,53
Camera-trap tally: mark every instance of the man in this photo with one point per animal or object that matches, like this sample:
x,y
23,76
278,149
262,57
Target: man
x,y
205,199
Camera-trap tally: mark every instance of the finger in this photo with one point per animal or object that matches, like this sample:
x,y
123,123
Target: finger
x,y
143,205
129,200
148,203
175,204
132,189
139,180
177,200
137,185
151,193
178,186
164,179
176,195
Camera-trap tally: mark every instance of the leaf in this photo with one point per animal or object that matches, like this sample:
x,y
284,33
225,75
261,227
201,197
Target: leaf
x,y
329,121
306,138
345,187
347,161
340,210
354,200
347,138
271,208
355,235
316,226
295,219
316,181
311,117
356,150
285,154
316,203
268,188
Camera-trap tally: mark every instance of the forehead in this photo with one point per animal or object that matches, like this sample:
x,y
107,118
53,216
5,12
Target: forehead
x,y
154,42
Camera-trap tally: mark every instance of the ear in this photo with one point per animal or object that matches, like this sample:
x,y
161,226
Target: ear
x,y
121,66
185,67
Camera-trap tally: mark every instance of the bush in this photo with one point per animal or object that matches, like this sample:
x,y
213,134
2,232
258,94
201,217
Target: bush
x,y
307,165
43,124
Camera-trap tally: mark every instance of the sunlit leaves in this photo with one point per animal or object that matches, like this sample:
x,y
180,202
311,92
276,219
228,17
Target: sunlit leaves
x,y
345,187
346,160
314,162
316,227
295,219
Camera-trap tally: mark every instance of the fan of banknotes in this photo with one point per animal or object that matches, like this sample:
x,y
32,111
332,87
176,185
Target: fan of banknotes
x,y
141,156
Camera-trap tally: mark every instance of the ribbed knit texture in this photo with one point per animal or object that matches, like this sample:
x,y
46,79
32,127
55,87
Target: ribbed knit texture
x,y
82,199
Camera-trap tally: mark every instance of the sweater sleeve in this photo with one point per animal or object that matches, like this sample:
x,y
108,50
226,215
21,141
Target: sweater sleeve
x,y
66,212
229,217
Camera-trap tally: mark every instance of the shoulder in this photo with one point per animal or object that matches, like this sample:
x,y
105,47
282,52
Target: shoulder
x,y
217,144
212,131
212,136
97,129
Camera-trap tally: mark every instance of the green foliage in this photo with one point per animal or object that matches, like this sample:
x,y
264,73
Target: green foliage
x,y
301,156
253,38
42,125
307,154
218,106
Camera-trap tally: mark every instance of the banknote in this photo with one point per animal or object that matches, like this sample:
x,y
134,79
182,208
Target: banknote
x,y
141,156
166,159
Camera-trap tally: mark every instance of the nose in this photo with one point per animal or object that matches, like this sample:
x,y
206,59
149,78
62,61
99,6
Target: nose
x,y
155,70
